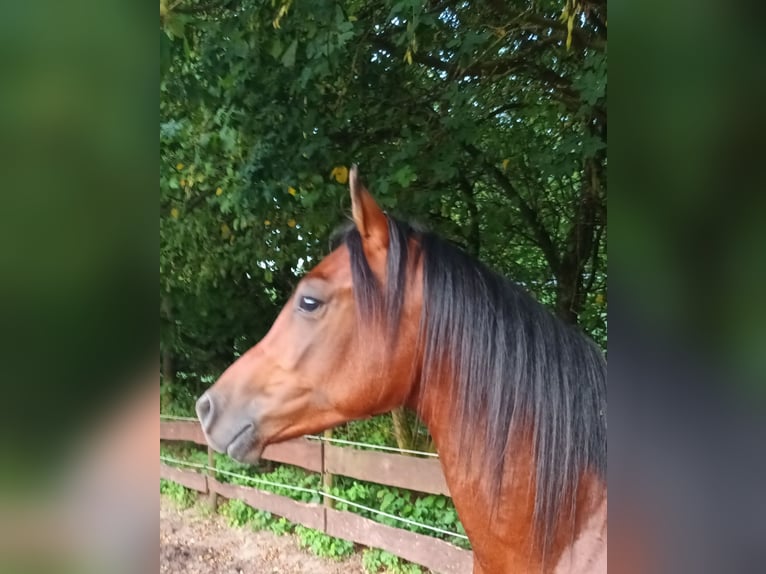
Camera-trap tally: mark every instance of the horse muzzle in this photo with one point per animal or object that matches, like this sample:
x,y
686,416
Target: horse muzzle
x,y
228,430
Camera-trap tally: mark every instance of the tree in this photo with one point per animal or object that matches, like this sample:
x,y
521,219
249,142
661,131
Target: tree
x,y
483,121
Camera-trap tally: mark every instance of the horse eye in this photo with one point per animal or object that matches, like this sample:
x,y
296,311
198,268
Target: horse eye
x,y
309,304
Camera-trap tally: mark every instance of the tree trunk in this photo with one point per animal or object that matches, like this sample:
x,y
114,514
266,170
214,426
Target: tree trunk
x,y
569,294
581,245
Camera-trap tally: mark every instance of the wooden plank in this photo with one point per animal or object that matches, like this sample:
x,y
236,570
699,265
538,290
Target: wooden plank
x,y
298,451
435,554
182,430
422,475
311,515
187,478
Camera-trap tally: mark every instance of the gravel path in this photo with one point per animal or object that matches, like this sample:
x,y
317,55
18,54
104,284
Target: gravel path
x,y
191,543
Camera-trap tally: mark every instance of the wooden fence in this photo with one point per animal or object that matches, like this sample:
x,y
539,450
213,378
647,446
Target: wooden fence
x,y
390,469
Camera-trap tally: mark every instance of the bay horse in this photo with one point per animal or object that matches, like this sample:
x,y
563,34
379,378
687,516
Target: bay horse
x,y
514,399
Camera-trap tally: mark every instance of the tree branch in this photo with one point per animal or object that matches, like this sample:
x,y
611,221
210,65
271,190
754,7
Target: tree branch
x,y
432,62
543,239
596,259
580,241
499,67
504,108
579,36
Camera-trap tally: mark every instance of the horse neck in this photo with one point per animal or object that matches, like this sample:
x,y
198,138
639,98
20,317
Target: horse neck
x,y
500,527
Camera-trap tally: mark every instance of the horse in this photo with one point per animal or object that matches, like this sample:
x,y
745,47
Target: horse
x,y
514,399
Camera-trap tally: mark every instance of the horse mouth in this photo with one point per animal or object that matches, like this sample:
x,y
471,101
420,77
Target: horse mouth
x,y
243,444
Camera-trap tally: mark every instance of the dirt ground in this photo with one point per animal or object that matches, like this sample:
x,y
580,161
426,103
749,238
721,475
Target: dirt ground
x,y
192,543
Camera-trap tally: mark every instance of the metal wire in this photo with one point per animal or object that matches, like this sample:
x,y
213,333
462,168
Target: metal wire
x,y
373,446
335,440
315,492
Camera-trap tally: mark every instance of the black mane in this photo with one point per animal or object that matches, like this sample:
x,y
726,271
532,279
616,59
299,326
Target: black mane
x,y
516,365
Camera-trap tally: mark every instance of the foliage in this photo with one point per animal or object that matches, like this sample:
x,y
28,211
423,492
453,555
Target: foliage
x,y
375,560
181,495
240,514
263,520
378,430
237,513
323,545
374,430
486,122
177,399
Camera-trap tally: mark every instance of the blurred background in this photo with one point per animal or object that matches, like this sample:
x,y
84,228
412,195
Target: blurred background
x,y
78,248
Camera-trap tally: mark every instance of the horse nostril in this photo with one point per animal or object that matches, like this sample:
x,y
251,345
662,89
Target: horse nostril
x,y
205,411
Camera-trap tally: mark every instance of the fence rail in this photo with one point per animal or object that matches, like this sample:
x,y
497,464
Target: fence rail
x,y
422,475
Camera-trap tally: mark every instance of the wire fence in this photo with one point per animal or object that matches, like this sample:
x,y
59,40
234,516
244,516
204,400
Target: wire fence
x,y
334,440
312,491
372,446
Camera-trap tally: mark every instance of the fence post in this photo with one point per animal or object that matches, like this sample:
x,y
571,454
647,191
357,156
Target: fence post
x,y
327,478
212,494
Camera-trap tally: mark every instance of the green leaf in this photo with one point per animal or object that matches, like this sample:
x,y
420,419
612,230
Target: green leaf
x,y
276,48
387,500
288,58
176,25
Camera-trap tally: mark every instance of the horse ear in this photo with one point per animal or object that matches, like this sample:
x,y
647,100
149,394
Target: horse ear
x,y
370,220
